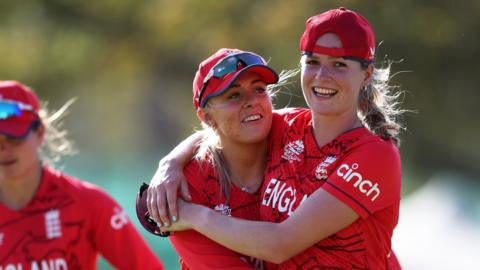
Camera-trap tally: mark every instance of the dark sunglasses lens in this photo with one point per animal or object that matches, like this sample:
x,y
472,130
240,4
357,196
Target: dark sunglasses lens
x,y
251,59
9,109
230,64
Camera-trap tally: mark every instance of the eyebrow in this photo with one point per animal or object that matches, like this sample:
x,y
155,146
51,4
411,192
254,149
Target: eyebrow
x,y
252,82
329,57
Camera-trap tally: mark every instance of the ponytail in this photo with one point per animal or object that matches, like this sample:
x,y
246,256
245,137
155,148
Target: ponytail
x,y
379,106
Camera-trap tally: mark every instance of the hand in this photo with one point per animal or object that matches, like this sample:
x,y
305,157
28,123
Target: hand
x,y
189,213
163,190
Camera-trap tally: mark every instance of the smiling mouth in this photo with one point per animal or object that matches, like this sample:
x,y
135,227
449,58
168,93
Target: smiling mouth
x,y
7,162
251,118
324,92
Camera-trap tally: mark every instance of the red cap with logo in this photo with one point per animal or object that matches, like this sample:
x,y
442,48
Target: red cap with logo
x,y
19,107
353,29
219,71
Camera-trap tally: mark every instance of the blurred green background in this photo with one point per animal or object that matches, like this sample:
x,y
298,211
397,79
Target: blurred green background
x,y
131,65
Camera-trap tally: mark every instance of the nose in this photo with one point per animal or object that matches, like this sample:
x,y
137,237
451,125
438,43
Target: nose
x,y
322,72
250,99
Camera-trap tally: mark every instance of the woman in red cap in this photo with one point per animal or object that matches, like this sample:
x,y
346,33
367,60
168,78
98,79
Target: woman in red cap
x,y
232,95
49,220
331,199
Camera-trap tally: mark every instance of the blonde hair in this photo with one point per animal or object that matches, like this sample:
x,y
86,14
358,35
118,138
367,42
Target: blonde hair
x,y
210,149
379,105
56,144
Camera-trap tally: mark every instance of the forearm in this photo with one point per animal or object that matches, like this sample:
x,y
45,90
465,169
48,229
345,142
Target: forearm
x,y
263,240
318,217
183,152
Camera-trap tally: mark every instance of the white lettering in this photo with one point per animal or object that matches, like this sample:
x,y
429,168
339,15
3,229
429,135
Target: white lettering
x,y
276,192
374,189
12,267
51,264
281,197
348,173
343,166
119,218
268,191
285,201
34,266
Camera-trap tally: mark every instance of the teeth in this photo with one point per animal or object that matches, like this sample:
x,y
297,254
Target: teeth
x,y
324,91
252,118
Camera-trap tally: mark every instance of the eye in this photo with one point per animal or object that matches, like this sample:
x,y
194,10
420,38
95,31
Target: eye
x,y
311,61
339,64
234,95
261,89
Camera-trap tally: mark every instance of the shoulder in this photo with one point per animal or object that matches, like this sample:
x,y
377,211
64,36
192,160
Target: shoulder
x,y
376,149
289,114
75,186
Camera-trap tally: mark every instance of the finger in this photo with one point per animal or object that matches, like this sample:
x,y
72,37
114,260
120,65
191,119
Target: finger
x,y
171,192
152,204
185,192
161,205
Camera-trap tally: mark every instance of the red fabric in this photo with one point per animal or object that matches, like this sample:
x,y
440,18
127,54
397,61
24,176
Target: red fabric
x,y
353,29
303,168
217,86
199,252
18,126
66,226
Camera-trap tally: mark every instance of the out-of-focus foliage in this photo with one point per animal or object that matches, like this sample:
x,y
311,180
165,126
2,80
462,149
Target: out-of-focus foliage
x,y
131,64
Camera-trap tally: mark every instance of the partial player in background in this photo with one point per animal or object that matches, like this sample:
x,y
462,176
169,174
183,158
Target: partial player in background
x,y
49,220
332,200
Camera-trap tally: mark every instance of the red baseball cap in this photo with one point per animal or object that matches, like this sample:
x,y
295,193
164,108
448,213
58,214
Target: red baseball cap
x,y
16,96
353,29
219,71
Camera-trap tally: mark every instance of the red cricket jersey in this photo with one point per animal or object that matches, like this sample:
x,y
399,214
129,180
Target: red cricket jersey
x,y
360,169
66,225
197,251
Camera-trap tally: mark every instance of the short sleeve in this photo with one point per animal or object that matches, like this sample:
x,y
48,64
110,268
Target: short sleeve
x,y
111,222
368,179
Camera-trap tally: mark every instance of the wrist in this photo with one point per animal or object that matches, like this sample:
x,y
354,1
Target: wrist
x,y
199,217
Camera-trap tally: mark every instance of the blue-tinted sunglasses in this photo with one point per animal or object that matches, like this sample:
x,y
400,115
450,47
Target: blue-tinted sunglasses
x,y
230,64
9,108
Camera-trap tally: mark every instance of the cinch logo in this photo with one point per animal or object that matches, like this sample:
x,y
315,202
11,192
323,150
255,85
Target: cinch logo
x,y
280,196
119,218
348,173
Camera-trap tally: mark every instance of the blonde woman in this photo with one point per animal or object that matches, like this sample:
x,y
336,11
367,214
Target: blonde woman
x,y
49,219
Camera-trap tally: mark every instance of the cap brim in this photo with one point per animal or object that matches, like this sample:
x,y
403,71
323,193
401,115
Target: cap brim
x,y
267,74
18,127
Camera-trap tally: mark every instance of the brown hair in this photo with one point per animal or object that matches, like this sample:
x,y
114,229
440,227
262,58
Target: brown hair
x,y
379,105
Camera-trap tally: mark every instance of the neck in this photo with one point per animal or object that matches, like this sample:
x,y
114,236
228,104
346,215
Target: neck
x,y
247,164
327,128
17,192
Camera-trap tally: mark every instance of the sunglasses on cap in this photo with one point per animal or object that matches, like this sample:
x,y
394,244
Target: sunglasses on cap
x,y
9,108
228,65
144,216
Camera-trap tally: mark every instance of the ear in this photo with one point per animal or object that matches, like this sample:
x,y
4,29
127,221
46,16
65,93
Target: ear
x,y
368,75
204,116
40,133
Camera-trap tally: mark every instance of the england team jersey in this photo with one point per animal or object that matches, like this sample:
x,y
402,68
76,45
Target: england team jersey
x,y
66,225
197,251
358,168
